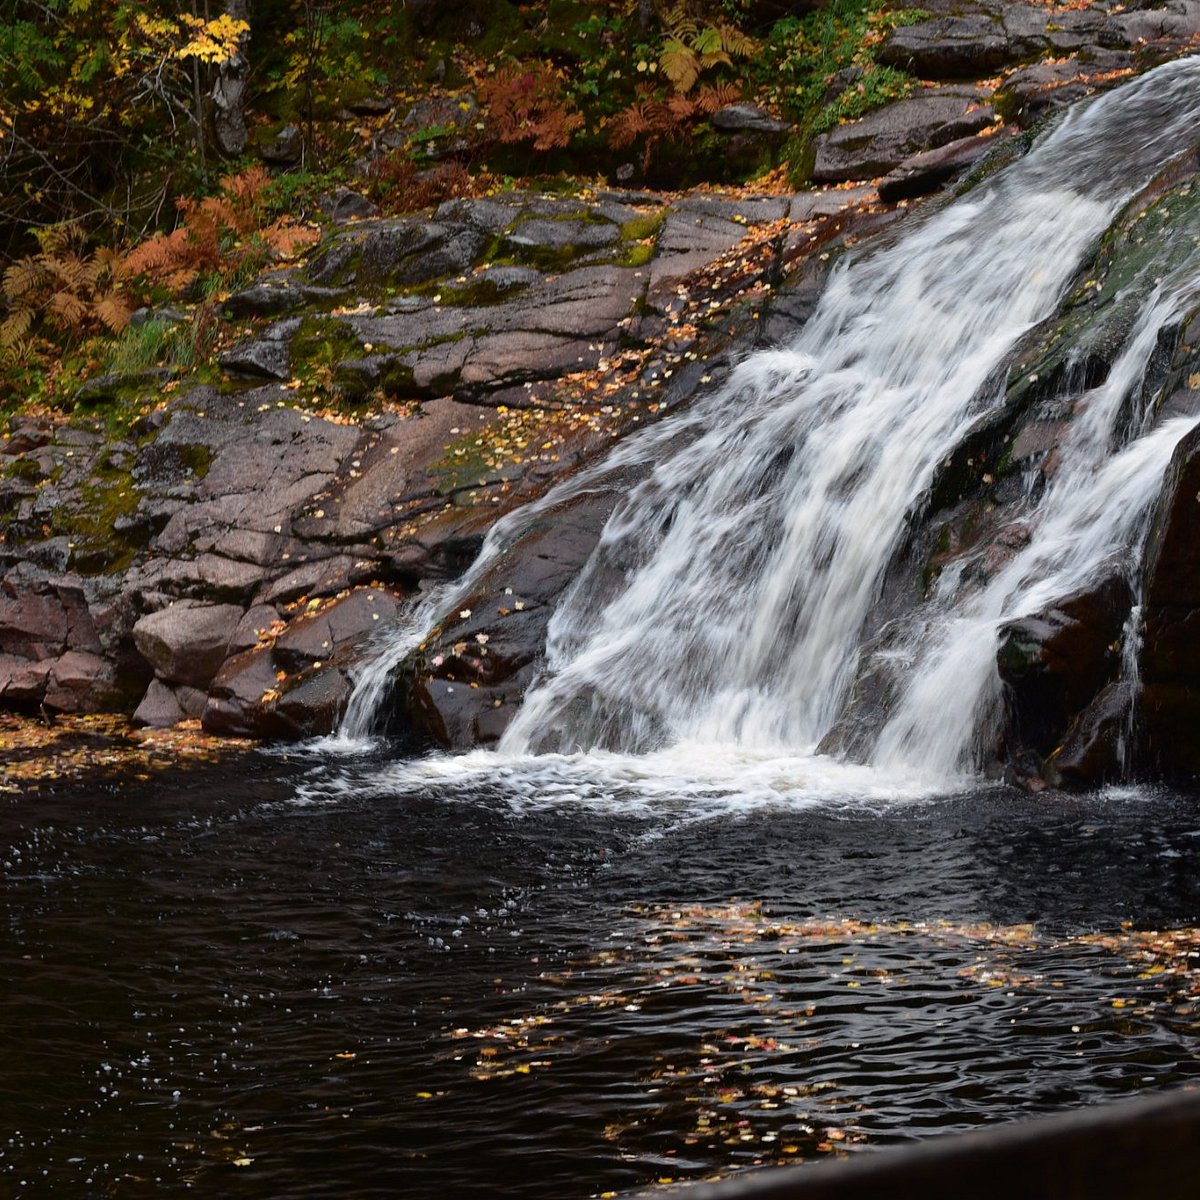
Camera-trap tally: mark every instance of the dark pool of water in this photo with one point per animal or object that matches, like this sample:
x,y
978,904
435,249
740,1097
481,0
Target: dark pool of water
x,y
210,985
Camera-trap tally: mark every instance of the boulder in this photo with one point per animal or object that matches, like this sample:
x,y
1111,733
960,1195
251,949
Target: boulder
x,y
187,642
22,683
1177,21
465,686
747,118
242,695
268,356
1095,748
1055,663
76,680
343,204
159,708
929,170
284,149
1042,87
953,47
884,139
342,625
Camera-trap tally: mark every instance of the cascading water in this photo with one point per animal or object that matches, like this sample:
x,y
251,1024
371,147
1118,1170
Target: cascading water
x,y
726,601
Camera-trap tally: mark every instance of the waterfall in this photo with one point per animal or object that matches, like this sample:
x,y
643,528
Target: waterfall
x,y
727,598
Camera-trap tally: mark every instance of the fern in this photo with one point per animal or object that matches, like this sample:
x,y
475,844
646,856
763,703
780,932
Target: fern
x,y
714,96
525,104
68,289
690,50
15,328
112,311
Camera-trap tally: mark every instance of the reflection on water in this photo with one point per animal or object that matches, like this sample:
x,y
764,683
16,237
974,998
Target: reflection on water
x,y
305,978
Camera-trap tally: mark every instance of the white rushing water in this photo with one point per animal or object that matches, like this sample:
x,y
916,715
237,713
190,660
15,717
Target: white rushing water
x,y
726,602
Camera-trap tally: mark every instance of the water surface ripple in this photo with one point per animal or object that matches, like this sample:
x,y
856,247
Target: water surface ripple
x,y
295,979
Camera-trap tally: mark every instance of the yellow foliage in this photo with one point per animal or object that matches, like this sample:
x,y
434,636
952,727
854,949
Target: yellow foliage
x,y
214,41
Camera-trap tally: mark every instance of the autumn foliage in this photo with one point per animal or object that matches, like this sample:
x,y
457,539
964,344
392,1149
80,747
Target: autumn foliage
x,y
75,292
525,103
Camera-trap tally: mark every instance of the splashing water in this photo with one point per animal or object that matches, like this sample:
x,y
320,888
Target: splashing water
x,y
726,601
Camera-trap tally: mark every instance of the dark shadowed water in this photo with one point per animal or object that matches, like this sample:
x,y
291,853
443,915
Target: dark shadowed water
x,y
233,981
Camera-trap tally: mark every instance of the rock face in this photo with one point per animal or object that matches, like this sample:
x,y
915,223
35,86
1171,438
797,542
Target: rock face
x,y
1170,703
232,555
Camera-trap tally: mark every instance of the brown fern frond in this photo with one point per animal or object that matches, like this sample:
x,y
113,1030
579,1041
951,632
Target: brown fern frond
x,y
630,123
681,110
24,276
57,240
555,129
110,265
66,311
15,326
74,273
112,311
181,279
155,254
286,238
713,96
245,189
525,104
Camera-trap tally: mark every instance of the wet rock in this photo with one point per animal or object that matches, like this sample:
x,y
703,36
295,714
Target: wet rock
x,y
884,139
497,651
256,694
187,642
315,705
241,697
1095,747
258,623
1054,664
1036,90
1169,712
928,171
357,617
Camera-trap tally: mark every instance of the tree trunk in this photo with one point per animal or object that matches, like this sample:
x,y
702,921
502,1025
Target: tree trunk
x,y
645,14
229,91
